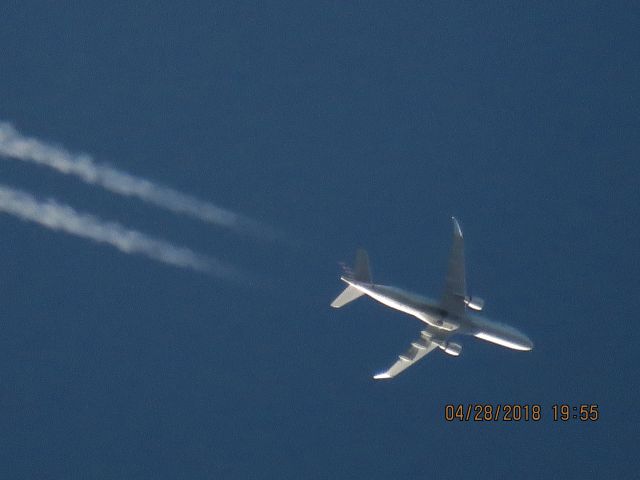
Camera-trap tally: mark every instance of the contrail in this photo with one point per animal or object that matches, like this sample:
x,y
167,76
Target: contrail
x,y
55,216
82,166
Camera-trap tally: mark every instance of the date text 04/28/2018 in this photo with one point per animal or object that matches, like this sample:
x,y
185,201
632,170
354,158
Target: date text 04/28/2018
x,y
514,412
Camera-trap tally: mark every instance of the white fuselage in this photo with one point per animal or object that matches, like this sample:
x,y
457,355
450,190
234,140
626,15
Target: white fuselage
x,y
441,323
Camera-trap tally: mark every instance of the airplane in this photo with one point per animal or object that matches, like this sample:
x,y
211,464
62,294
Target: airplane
x,y
443,320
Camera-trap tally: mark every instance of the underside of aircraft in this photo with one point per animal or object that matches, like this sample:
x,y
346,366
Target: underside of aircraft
x,y
450,316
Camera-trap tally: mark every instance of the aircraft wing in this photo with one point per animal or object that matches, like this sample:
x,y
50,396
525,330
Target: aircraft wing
x,y
455,289
418,349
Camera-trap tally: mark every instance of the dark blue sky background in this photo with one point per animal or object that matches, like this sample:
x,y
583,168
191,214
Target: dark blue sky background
x,y
343,124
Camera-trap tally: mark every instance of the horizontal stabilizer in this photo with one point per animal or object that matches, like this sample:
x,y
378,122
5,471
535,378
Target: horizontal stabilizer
x,y
349,294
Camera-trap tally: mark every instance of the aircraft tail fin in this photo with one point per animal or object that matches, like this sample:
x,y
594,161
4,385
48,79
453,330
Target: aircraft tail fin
x,y
362,271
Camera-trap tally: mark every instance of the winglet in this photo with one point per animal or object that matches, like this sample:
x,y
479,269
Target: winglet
x,y
456,227
382,376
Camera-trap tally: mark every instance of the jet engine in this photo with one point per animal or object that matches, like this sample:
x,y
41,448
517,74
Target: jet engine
x,y
474,303
452,348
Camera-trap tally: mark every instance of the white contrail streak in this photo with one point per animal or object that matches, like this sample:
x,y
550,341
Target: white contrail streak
x,y
55,216
82,166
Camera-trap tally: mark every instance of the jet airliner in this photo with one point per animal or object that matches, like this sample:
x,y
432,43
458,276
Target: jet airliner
x,y
444,319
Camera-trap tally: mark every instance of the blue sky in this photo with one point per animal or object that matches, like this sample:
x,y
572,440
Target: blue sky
x,y
343,125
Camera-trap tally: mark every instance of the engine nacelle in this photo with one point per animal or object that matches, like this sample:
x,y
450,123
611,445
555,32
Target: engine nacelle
x,y
474,303
452,348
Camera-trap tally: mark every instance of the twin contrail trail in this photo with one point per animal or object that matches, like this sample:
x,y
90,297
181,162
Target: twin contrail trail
x,y
55,216
82,166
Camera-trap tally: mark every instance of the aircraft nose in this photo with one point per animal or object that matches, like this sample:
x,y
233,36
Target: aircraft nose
x,y
527,343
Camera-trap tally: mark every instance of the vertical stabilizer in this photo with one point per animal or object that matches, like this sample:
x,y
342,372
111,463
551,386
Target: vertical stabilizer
x,y
362,271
